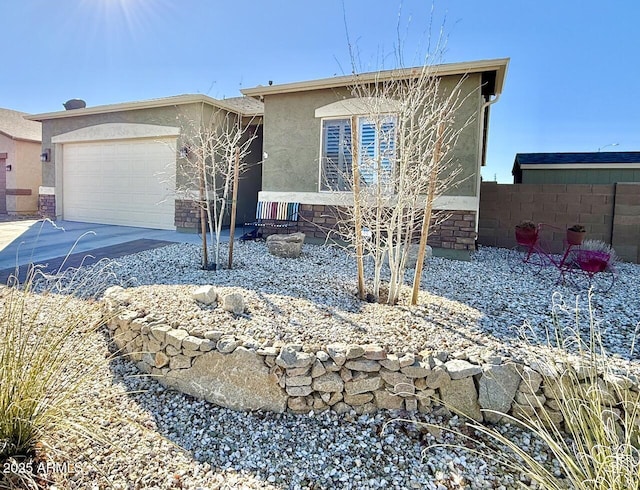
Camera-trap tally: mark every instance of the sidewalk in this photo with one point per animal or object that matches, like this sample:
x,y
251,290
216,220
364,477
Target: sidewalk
x,y
30,241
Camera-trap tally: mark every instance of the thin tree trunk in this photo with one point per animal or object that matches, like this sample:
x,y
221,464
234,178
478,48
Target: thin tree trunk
x,y
426,217
356,206
234,200
203,226
210,219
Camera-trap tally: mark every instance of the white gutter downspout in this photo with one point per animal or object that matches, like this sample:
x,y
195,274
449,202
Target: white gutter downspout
x,y
480,152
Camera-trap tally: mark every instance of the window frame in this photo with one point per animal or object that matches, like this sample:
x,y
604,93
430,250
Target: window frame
x,y
321,167
360,118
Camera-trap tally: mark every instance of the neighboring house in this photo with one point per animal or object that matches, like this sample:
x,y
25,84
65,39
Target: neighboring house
x,y
20,171
118,164
304,120
607,167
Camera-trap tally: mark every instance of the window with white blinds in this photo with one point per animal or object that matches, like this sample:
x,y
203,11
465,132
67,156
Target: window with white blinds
x,y
377,148
377,142
336,154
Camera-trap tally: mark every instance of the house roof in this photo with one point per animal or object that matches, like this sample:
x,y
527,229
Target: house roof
x,y
14,125
247,106
499,66
601,159
239,105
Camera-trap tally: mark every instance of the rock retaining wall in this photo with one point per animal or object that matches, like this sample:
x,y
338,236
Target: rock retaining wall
x,y
242,374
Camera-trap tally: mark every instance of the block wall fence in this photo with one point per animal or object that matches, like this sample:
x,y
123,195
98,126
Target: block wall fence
x,y
609,212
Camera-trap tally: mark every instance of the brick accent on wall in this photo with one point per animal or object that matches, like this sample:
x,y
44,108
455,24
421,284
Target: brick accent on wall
x,y
609,212
457,231
450,229
47,206
187,215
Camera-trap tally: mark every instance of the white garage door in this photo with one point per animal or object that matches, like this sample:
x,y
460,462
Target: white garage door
x,y
120,182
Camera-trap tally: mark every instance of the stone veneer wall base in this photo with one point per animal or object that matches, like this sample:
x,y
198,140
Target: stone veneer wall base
x,y
47,206
456,231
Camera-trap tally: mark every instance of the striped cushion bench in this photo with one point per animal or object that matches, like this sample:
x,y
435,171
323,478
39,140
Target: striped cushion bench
x,y
276,215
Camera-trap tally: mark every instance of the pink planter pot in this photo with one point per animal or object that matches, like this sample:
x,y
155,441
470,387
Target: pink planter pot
x,y
526,237
575,237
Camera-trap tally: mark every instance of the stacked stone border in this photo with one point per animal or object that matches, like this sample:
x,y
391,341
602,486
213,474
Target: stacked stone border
x,y
242,374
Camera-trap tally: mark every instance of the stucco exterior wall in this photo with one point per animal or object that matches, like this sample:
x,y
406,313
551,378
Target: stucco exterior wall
x,y
580,176
161,116
187,117
28,179
24,178
466,152
292,136
8,147
292,139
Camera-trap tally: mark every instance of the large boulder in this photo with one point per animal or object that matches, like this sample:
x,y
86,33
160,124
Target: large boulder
x,y
497,388
117,295
287,246
240,381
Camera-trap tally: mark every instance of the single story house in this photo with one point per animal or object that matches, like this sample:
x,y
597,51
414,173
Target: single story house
x,y
20,170
300,117
120,163
606,167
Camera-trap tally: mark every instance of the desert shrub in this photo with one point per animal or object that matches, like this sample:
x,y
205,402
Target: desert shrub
x,y
45,369
596,446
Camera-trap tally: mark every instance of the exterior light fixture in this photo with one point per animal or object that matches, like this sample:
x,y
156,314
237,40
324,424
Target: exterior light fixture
x,y
184,152
8,167
46,155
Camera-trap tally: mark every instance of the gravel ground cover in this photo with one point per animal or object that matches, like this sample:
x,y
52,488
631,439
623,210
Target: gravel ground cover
x,y
170,440
464,305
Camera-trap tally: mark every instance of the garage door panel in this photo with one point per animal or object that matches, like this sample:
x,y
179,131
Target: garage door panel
x,y
119,182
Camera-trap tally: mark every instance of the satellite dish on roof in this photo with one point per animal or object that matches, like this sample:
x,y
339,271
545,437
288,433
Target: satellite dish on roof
x,y
74,104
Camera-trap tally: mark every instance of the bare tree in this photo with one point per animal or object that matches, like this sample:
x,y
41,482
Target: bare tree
x,y
400,163
215,144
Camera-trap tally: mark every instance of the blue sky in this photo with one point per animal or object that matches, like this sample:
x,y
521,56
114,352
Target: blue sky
x,y
573,82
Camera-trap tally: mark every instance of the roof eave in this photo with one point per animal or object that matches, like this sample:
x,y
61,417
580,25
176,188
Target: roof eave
x,y
499,65
145,104
580,165
17,138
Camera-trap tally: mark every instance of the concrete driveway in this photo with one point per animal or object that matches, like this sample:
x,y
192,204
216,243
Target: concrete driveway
x,y
40,242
